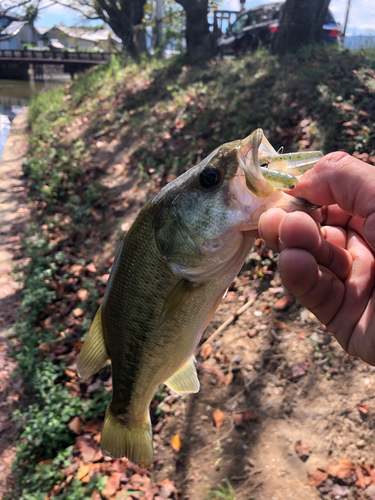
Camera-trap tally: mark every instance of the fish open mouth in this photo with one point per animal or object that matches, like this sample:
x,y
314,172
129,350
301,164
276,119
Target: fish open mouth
x,y
265,168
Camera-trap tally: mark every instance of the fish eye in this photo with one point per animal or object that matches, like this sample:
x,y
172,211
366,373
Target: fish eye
x,y
210,177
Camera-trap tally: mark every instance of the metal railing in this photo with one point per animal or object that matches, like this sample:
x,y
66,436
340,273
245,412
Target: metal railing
x,y
55,56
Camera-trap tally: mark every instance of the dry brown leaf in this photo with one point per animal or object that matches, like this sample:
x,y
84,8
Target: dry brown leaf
x,y
280,325
85,448
206,351
219,375
91,268
93,425
317,478
284,302
166,489
240,419
71,469
176,442
112,485
83,294
303,450
362,480
78,312
82,472
344,468
75,425
228,378
219,417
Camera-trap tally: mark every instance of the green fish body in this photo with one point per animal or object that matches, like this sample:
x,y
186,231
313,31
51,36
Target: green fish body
x,y
171,271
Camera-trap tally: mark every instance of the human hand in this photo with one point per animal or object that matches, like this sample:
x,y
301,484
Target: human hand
x,y
329,265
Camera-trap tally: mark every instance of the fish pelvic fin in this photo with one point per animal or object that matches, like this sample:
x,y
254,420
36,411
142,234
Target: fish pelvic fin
x,y
121,439
185,380
94,353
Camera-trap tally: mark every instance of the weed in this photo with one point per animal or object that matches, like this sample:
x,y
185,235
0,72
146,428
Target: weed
x,y
221,492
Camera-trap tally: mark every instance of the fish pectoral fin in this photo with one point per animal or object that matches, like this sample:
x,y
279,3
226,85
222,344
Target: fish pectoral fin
x,y
94,353
185,380
180,294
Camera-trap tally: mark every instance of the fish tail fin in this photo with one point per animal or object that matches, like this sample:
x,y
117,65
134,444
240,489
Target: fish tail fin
x,y
120,439
94,353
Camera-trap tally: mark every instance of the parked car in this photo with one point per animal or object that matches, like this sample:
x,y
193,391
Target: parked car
x,y
257,26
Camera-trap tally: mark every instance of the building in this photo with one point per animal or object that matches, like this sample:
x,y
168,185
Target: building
x,y
15,33
80,38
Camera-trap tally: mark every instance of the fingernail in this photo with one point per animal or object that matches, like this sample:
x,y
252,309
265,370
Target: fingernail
x,y
323,232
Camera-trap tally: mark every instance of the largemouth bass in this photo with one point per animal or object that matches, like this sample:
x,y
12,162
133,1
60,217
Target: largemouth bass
x,y
171,271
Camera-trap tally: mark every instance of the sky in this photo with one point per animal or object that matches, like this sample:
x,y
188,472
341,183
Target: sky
x,y
361,17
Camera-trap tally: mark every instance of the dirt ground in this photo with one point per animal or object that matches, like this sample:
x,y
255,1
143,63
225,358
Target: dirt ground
x,y
13,216
287,370
275,374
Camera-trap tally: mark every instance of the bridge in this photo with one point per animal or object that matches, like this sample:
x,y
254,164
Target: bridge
x,y
15,63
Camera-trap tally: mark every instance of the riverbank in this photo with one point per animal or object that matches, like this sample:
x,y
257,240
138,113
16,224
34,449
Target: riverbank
x,y
14,215
273,378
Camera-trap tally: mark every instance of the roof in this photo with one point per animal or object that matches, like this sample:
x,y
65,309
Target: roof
x,y
42,29
13,28
87,33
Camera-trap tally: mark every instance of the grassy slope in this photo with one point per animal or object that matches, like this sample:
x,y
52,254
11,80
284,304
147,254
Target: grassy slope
x,y
164,117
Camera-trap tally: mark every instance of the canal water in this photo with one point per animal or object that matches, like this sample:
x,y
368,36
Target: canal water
x,y
14,96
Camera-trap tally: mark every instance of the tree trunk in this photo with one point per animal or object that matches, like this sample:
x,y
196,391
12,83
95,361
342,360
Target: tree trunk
x,y
122,19
198,36
301,24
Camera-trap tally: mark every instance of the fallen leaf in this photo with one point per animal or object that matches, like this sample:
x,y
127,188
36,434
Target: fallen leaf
x,y
176,442
362,480
70,469
284,303
166,489
78,312
75,425
363,409
317,478
82,472
112,485
91,268
206,351
228,378
344,468
93,425
240,419
83,294
87,451
303,450
219,375
219,417
280,325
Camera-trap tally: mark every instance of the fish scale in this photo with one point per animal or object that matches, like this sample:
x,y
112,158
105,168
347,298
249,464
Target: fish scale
x,y
171,271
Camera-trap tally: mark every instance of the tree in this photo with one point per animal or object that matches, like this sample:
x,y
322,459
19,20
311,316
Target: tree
x,y
198,37
120,15
301,24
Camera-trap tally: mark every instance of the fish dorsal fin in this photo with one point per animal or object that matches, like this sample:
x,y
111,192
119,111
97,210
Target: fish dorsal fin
x,y
180,294
185,380
94,352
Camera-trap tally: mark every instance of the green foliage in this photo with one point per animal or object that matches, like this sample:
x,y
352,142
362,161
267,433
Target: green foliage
x,y
221,492
37,483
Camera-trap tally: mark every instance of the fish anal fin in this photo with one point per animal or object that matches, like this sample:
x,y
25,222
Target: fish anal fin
x,y
179,295
185,380
122,439
94,353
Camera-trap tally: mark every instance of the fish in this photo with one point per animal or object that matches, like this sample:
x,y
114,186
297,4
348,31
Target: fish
x,y
169,275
